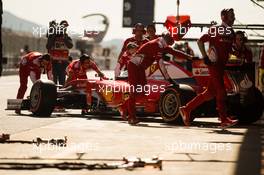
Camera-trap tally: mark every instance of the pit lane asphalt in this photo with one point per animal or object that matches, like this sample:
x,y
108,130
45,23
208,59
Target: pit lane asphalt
x,y
200,149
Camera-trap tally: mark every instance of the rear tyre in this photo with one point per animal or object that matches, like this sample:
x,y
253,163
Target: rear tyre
x,y
251,110
43,97
169,105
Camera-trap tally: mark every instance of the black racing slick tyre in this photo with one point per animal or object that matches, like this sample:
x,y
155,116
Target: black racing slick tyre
x,y
43,97
252,109
169,105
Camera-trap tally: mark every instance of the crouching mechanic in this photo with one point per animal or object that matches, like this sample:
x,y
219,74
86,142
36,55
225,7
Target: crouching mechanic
x,y
144,57
123,61
242,52
220,40
31,66
78,68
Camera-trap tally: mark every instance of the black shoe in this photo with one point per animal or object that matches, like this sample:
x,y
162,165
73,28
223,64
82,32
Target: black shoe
x,y
18,111
133,121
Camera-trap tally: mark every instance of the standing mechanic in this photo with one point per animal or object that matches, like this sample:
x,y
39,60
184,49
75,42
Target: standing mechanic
x,y
138,38
123,61
58,46
220,40
151,32
30,66
78,68
144,57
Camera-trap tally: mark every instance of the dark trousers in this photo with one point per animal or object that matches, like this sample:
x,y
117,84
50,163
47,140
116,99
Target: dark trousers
x,y
59,71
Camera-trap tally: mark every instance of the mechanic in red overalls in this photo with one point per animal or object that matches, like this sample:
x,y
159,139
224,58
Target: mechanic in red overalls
x,y
123,61
240,50
144,57
151,32
139,39
220,40
78,68
31,66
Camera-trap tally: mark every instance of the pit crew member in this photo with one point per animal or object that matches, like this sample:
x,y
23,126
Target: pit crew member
x,y
151,32
220,40
138,38
240,50
144,57
31,65
78,68
122,62
58,46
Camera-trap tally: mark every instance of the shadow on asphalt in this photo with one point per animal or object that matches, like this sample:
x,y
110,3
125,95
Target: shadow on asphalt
x,y
31,115
249,158
225,131
250,154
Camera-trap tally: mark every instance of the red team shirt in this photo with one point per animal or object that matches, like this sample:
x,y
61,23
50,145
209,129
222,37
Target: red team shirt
x,y
30,67
133,40
152,52
30,63
244,55
122,63
78,72
221,41
124,60
60,50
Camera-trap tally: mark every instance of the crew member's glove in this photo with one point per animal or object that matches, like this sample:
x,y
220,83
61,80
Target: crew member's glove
x,y
102,76
207,61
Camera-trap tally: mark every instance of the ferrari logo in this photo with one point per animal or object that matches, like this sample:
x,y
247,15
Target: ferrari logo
x,y
152,68
108,95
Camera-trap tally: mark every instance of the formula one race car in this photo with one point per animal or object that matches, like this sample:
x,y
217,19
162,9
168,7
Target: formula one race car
x,y
105,96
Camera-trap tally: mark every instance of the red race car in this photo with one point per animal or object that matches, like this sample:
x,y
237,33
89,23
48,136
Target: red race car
x,y
161,98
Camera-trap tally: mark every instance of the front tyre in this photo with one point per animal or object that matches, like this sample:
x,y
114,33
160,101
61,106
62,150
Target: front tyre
x,y
43,97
